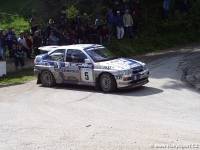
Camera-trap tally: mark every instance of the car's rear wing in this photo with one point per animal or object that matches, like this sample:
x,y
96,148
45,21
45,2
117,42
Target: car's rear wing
x,y
47,49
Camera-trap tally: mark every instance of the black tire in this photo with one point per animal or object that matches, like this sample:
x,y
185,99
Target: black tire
x,y
108,83
47,78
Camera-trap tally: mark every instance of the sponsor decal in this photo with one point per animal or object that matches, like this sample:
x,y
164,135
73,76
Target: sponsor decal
x,y
103,67
66,70
90,65
134,65
42,63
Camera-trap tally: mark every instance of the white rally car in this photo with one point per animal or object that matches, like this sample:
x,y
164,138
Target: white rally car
x,y
88,64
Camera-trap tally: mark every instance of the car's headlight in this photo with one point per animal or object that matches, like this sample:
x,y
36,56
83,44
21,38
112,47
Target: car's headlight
x,y
144,67
124,72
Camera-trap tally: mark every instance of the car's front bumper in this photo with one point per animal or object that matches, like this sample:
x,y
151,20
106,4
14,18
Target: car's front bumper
x,y
135,84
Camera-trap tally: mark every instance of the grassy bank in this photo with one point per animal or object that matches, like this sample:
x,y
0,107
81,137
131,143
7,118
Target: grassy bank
x,y
17,77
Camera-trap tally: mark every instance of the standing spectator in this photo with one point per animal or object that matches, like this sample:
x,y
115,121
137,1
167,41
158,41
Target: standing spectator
x,y
99,22
110,18
36,43
166,7
32,19
103,34
95,33
22,42
45,33
10,38
128,23
2,45
29,45
125,8
116,8
53,39
119,25
34,27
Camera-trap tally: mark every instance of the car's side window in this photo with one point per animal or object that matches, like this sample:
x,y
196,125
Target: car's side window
x,y
76,56
56,55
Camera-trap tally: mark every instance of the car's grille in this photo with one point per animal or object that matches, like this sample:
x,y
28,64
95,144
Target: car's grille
x,y
137,70
139,80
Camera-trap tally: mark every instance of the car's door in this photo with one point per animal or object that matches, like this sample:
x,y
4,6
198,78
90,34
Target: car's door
x,y
77,68
55,63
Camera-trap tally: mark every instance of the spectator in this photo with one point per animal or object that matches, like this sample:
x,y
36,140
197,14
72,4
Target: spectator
x,y
116,8
67,39
2,45
45,33
10,38
103,34
22,42
95,33
17,55
53,39
34,27
33,20
99,22
47,44
73,37
110,18
36,43
119,25
29,45
125,8
166,7
128,23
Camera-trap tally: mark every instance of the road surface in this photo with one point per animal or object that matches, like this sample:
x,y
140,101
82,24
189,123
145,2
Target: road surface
x,y
163,114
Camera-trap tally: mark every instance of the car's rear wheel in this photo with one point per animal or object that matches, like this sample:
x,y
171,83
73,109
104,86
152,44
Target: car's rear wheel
x,y
107,82
47,78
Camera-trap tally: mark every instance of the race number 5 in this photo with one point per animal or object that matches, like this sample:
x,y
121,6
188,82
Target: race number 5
x,y
86,75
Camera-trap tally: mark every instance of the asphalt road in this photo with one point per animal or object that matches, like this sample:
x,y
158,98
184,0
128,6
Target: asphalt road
x,y
164,114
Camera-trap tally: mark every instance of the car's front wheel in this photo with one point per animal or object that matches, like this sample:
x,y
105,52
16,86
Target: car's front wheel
x,y
47,78
107,82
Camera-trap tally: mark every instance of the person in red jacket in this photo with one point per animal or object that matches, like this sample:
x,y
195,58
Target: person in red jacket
x,y
103,34
29,44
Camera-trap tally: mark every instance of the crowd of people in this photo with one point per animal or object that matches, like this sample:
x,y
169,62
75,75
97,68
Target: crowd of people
x,y
121,20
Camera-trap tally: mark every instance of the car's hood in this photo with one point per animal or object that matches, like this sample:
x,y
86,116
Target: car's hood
x,y
120,63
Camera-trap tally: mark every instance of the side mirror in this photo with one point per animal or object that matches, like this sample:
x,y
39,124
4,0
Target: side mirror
x,y
87,61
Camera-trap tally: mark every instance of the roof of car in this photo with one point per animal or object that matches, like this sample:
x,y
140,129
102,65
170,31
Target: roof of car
x,y
75,46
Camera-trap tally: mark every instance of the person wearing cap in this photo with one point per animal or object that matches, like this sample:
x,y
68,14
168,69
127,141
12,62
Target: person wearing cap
x,y
119,25
22,41
2,45
128,23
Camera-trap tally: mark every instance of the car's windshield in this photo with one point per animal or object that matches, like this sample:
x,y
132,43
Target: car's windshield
x,y
100,54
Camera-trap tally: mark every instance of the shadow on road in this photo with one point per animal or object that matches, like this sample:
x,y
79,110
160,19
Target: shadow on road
x,y
140,91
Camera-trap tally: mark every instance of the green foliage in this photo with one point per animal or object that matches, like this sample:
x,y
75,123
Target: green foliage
x,y
71,12
153,34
